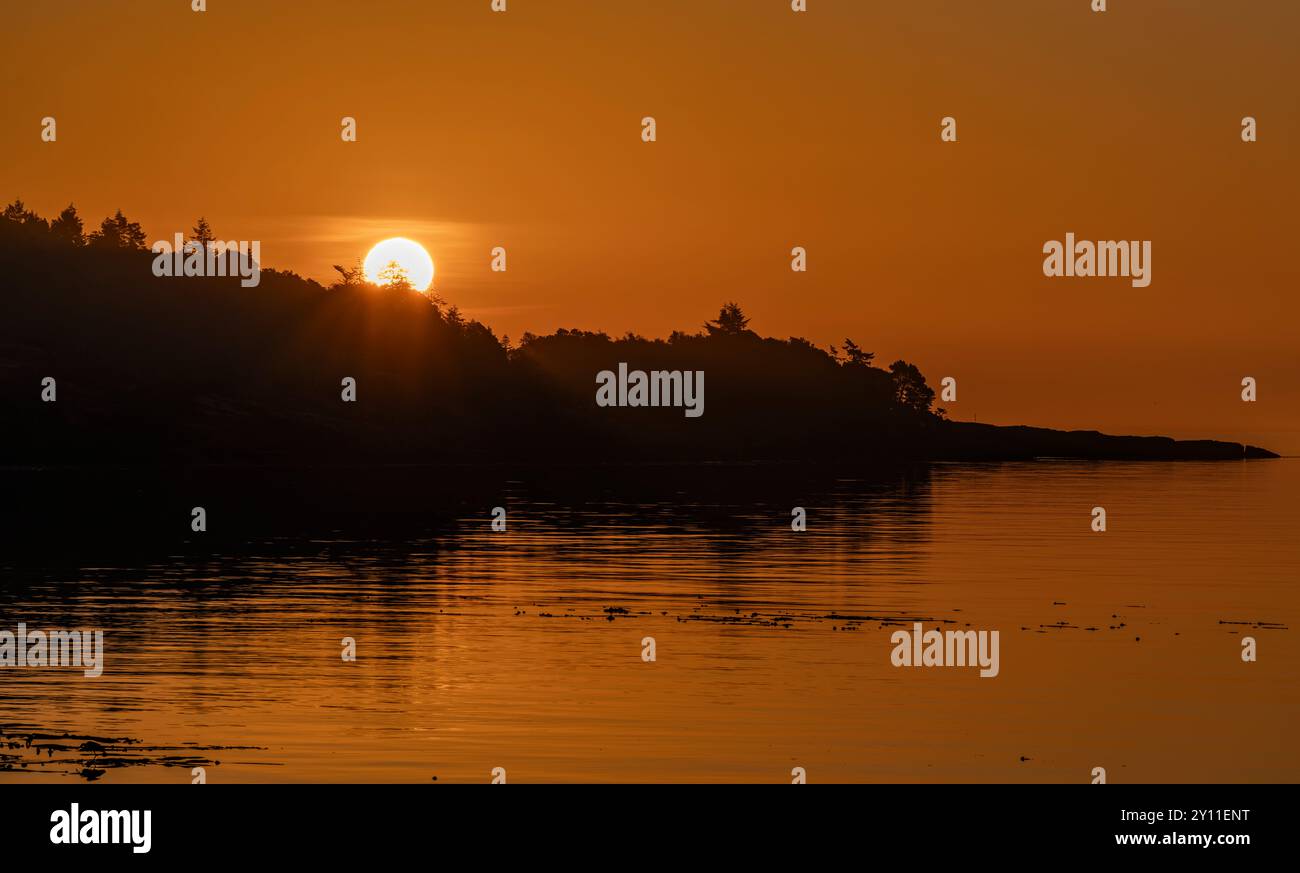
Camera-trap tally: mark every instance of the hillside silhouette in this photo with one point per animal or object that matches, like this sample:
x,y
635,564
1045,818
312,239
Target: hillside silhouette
x,y
202,370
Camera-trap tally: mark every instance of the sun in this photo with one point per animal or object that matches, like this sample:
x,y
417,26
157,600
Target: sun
x,y
410,257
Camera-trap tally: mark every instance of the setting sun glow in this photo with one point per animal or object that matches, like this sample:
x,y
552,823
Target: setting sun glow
x,y
409,255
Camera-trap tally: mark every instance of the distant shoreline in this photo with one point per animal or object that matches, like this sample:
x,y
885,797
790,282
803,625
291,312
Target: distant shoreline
x,y
956,442
103,361
971,442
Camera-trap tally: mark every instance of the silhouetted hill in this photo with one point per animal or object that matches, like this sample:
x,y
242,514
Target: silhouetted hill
x,y
203,370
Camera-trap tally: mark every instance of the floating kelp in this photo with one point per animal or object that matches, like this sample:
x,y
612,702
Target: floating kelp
x,y
31,749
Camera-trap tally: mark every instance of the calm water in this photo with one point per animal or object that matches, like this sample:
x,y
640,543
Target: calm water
x,y
478,649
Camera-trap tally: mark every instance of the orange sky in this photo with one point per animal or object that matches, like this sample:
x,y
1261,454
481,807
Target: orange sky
x,y
775,129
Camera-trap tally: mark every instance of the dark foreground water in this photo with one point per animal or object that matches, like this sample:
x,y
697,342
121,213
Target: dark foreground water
x,y
523,649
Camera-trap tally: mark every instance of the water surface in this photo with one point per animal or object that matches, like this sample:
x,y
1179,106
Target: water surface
x,y
522,649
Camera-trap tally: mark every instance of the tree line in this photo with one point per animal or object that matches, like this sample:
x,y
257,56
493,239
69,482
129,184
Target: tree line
x,y
114,232
433,382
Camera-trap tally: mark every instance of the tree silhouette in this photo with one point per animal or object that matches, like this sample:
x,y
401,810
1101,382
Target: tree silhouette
x,y
202,233
353,276
68,227
18,211
118,233
394,276
910,390
731,320
856,356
